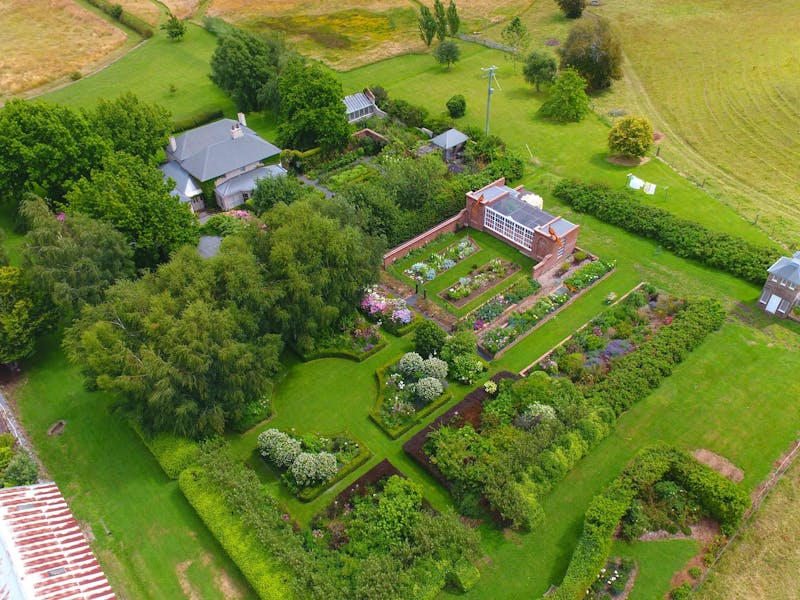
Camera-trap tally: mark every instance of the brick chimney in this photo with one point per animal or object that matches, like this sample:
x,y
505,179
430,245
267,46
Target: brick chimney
x,y
242,120
173,145
236,131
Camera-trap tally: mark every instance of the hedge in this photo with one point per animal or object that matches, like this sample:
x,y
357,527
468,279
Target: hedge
x,y
240,542
635,375
685,238
339,353
126,18
173,454
723,499
195,120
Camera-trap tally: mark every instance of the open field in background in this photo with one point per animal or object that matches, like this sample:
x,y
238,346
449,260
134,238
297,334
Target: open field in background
x,y
351,33
722,80
147,10
43,40
157,547
148,71
762,564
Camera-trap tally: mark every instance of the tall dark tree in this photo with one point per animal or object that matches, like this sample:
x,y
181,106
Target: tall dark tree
x,y
312,108
516,36
133,126
453,20
247,66
440,15
593,49
186,346
45,148
133,197
540,68
572,9
74,258
320,267
427,25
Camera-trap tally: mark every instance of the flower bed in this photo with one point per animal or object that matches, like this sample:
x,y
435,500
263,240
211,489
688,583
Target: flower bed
x,y
408,389
438,262
359,341
522,322
311,463
489,311
478,281
390,313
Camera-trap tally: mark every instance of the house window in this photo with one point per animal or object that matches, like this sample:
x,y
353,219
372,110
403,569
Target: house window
x,y
764,297
783,306
508,228
792,285
246,196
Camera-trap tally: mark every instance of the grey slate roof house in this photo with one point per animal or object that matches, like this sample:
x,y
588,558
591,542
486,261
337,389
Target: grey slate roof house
x,y
451,143
226,152
782,289
361,106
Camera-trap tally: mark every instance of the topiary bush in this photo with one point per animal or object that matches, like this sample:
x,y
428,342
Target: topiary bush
x,y
457,106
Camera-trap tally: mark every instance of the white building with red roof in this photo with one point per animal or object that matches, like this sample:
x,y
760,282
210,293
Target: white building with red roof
x,y
43,552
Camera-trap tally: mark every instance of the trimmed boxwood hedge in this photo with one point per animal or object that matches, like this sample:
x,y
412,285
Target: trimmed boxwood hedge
x,y
239,540
340,353
126,18
172,453
685,238
723,499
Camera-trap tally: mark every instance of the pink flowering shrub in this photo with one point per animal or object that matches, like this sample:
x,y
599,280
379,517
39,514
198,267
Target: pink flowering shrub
x,y
391,311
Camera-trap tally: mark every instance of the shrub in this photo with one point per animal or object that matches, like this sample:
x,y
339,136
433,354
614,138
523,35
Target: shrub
x,y
21,470
457,106
434,367
682,592
685,238
459,344
278,447
464,575
466,367
428,389
695,572
631,136
429,338
410,364
305,469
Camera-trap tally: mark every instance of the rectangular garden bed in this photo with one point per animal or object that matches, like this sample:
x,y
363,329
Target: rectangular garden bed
x,y
477,281
436,263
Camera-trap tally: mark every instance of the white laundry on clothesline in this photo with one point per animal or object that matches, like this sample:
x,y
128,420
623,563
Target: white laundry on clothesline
x,y
650,188
634,182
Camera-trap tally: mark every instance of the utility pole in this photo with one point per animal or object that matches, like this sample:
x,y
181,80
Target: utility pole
x,y
490,76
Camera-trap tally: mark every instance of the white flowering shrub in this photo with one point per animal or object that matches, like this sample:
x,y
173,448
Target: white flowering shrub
x,y
434,367
467,367
427,389
278,447
308,469
545,412
410,364
326,466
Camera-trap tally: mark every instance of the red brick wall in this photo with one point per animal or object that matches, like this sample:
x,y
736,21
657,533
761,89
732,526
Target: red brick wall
x,y
451,225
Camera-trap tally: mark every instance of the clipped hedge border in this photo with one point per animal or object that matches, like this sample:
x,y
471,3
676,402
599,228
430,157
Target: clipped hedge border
x,y
239,541
683,237
173,454
340,353
724,500
364,454
126,18
197,119
375,413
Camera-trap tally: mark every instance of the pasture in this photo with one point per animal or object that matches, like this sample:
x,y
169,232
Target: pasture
x,y
68,38
147,10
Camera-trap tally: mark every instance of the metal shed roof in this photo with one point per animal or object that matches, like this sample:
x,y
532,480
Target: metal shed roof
x,y
356,102
449,139
43,552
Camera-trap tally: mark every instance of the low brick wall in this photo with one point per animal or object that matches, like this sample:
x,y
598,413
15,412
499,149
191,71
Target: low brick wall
x,y
451,225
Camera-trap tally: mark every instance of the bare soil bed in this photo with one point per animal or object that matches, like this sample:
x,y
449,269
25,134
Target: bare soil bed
x,y
720,464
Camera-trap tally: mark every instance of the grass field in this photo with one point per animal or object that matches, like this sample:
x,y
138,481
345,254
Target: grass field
x,y
157,547
351,33
761,564
68,38
182,8
149,70
147,10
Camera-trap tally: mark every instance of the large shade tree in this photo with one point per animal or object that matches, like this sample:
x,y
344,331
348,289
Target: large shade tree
x,y
23,315
45,148
133,126
594,50
311,107
318,265
133,197
186,347
73,258
567,100
540,68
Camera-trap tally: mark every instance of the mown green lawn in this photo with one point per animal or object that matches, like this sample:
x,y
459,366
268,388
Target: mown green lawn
x,y
569,150
157,548
657,561
12,239
150,70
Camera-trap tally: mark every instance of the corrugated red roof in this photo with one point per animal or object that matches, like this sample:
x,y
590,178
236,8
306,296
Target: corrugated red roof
x,y
46,554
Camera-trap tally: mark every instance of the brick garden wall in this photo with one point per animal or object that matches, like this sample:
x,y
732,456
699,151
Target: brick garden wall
x,y
451,225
